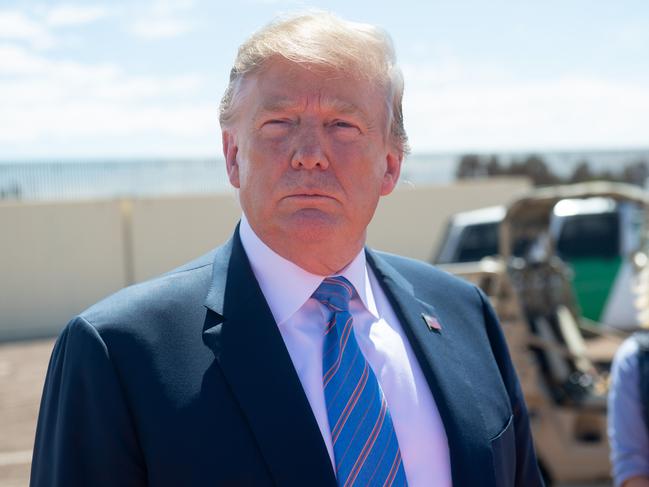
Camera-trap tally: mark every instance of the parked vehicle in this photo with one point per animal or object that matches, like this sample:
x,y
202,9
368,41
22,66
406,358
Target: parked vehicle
x,y
595,236
561,359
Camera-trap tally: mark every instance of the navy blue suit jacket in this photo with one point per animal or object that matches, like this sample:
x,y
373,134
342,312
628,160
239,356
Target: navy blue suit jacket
x,y
185,380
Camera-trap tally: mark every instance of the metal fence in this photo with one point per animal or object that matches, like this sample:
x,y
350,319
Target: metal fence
x,y
110,179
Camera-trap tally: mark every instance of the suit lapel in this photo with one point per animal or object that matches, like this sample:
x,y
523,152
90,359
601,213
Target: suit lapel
x,y
241,331
440,353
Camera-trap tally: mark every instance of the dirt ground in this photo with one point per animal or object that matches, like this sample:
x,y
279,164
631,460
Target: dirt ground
x,y
22,373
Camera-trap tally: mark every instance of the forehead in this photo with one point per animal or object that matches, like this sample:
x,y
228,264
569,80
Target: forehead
x,y
283,85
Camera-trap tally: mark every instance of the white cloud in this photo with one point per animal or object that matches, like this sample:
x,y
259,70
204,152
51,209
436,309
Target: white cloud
x,y
78,119
62,100
36,29
66,15
170,7
476,112
164,19
98,81
15,25
47,102
17,61
160,28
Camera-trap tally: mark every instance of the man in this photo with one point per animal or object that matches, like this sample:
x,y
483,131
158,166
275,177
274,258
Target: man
x,y
627,413
292,355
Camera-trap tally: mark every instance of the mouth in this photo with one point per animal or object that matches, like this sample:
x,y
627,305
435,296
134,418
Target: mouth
x,y
309,198
310,194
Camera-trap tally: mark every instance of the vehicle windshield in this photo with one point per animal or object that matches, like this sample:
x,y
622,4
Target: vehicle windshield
x,y
594,235
478,241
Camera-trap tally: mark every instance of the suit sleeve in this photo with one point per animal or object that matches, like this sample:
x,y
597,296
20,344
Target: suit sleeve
x,y
85,434
527,470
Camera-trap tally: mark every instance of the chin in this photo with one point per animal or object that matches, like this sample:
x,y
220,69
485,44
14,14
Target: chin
x,y
315,226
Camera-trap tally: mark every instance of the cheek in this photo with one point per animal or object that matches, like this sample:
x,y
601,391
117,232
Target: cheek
x,y
249,159
267,153
258,173
364,165
270,140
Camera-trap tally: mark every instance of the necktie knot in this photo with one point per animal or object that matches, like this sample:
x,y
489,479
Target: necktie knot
x,y
335,293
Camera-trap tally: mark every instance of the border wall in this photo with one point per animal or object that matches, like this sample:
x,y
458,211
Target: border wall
x,y
58,258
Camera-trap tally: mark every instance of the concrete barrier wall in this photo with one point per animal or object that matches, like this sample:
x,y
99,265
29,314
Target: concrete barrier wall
x,y
167,232
56,259
411,221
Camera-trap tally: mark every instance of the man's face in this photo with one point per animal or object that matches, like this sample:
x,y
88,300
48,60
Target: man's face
x,y
310,154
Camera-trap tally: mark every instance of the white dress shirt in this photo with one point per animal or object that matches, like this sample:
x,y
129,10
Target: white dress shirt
x,y
301,321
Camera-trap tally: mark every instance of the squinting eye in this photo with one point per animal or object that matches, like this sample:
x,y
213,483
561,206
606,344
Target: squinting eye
x,y
342,124
345,129
276,126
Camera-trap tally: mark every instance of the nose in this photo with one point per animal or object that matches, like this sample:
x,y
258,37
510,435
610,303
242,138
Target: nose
x,y
309,152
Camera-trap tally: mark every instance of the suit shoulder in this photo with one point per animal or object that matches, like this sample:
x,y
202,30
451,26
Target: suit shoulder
x,y
204,260
183,287
419,272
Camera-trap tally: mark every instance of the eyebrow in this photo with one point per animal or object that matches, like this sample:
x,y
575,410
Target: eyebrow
x,y
276,105
335,104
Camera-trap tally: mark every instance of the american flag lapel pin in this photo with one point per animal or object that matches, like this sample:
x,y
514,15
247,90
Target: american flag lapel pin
x,y
432,323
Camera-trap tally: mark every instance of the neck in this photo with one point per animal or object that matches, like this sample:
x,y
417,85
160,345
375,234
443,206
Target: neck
x,y
323,259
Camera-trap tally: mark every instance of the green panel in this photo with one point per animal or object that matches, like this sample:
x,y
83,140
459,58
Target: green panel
x,y
593,282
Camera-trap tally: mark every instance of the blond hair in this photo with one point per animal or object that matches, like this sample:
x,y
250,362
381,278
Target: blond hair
x,y
322,39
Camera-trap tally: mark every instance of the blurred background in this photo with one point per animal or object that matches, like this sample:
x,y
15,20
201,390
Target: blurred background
x,y
131,84
111,168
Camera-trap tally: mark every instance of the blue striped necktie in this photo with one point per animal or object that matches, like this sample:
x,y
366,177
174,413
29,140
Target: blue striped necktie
x,y
365,444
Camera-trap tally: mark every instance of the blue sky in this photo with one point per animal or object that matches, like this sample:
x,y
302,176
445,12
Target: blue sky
x,y
143,79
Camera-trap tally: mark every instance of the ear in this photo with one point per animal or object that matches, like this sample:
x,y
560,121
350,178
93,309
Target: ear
x,y
230,150
393,161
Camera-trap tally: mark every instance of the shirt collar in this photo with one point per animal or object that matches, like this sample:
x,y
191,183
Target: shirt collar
x,y
286,286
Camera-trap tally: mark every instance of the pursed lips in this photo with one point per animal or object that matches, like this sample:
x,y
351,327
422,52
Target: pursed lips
x,y
310,196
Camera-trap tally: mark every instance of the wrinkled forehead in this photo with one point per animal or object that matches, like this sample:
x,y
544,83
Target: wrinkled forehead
x,y
281,84
280,103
